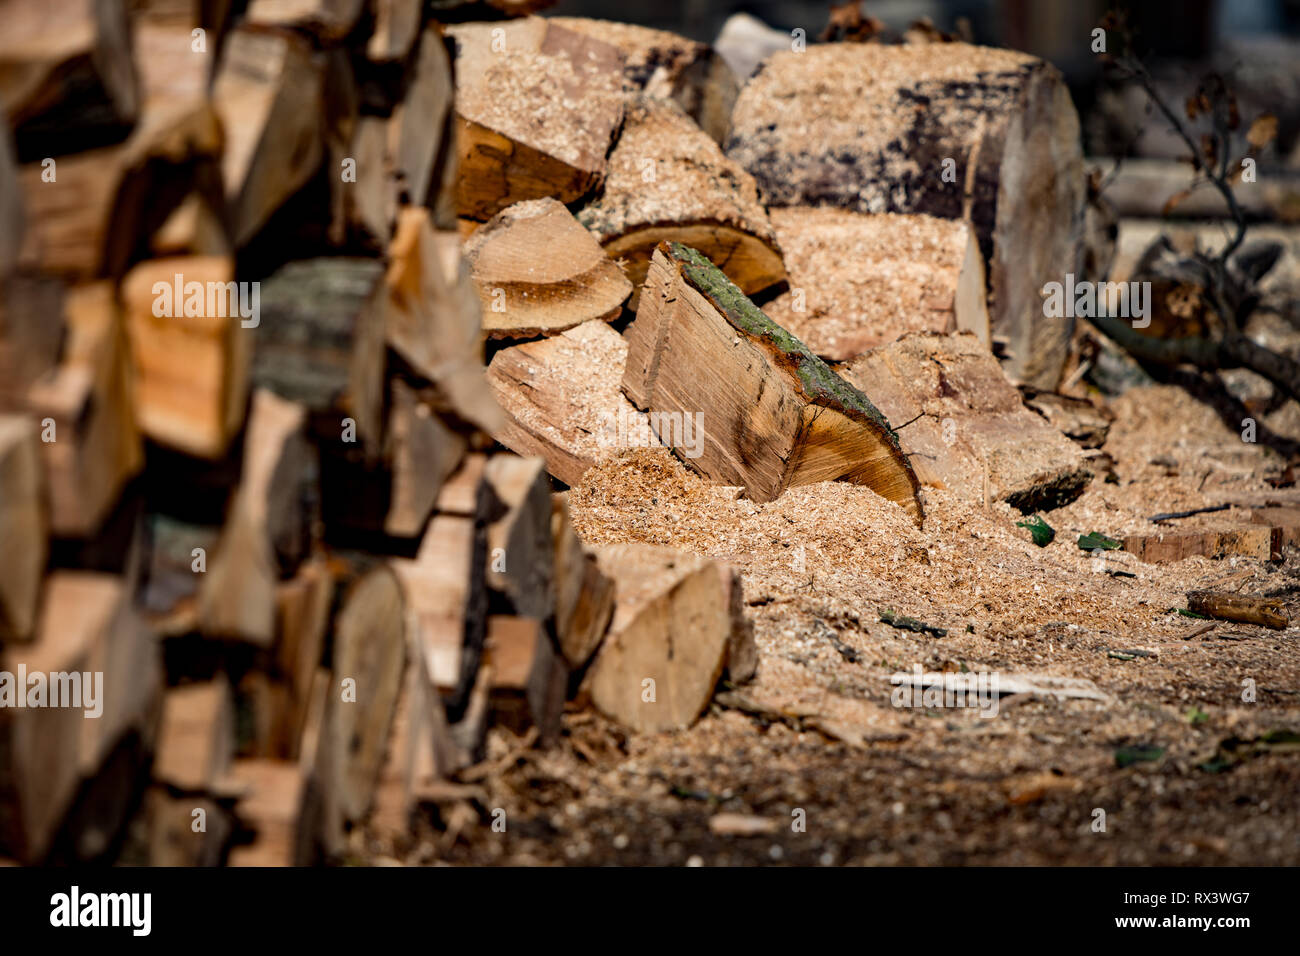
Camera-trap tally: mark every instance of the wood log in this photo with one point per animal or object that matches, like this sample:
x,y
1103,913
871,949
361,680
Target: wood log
x,y
31,335
44,749
561,400
86,410
397,24
466,493
528,676
868,127
91,214
317,756
66,73
196,742
269,93
536,108
664,65
520,550
1284,528
302,621
742,401
321,343
273,804
421,125
173,839
23,528
191,342
445,594
369,651
12,220
859,281
538,271
267,532
667,642
423,452
1248,609
584,595
1224,540
972,426
668,181
365,205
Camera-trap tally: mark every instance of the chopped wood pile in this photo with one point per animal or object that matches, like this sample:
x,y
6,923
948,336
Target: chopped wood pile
x,y
310,314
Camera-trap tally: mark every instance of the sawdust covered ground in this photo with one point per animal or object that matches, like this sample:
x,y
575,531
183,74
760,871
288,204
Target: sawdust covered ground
x,y
877,784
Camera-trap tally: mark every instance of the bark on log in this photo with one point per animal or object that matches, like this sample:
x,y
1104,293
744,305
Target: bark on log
x,y
536,106
967,424
859,281
665,65
868,127
668,181
749,404
1268,612
538,271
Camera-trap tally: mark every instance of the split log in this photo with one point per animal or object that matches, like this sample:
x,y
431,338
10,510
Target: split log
x,y
421,124
66,73
858,281
22,528
31,334
561,400
1163,547
423,453
269,93
667,642
302,620
445,594
320,343
267,532
868,127
528,676
328,21
466,493
273,803
196,742
968,430
1268,612
745,402
668,181
397,23
664,65
91,214
538,271
190,341
365,204
520,551
86,411
536,108
584,595
369,654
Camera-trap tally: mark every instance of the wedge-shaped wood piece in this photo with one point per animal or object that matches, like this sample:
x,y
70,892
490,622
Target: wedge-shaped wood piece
x,y
972,427
528,676
749,404
23,527
1223,539
536,109
584,595
66,71
267,531
269,93
665,65
196,742
520,552
301,624
320,342
873,128
369,655
191,350
422,452
562,401
667,642
860,281
538,271
86,410
667,180
421,127
446,603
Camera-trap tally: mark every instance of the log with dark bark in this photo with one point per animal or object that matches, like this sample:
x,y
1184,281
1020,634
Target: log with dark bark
x,y
1268,612
874,128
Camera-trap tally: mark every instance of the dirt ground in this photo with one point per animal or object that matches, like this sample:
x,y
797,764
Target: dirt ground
x,y
816,731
